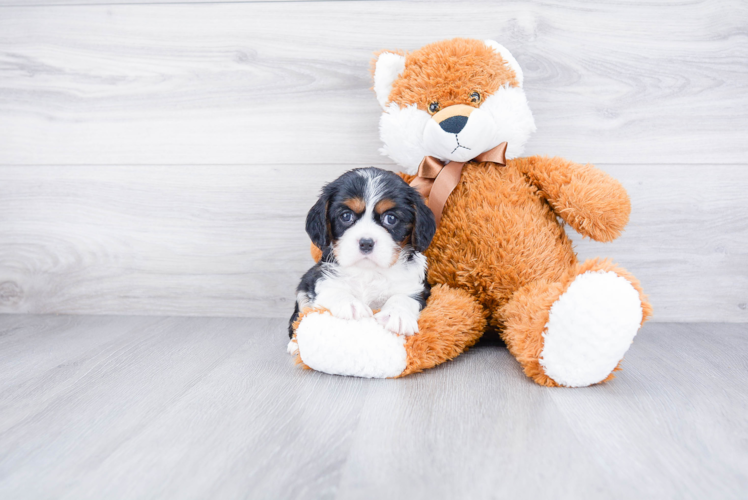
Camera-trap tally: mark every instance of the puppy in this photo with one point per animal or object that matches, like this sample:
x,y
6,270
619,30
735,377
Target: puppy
x,y
372,229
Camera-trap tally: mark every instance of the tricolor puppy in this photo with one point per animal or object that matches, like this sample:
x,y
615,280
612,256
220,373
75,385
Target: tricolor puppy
x,y
372,228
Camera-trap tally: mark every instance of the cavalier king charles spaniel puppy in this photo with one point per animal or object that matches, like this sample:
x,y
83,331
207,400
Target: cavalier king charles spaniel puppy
x,y
372,228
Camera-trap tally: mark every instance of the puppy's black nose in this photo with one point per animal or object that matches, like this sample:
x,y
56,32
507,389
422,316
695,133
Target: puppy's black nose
x,y
454,124
366,245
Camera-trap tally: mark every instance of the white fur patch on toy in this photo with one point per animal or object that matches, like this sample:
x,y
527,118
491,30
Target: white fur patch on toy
x,y
408,134
401,131
509,58
388,68
359,348
590,328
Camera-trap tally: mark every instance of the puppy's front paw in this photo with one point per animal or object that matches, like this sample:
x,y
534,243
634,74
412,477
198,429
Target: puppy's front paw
x,y
351,309
292,348
398,321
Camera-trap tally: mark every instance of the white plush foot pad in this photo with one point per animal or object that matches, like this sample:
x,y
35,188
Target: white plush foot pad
x,y
590,328
360,348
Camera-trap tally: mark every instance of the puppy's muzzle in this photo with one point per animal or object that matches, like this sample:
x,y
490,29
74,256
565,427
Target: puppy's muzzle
x,y
366,245
453,119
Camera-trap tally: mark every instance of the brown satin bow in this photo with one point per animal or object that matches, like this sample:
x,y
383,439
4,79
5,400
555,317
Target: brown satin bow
x,y
436,181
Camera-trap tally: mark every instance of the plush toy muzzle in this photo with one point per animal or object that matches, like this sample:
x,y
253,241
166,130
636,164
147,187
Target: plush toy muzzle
x,y
459,133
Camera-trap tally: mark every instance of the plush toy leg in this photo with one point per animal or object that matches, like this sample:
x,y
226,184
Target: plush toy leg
x,y
574,332
451,322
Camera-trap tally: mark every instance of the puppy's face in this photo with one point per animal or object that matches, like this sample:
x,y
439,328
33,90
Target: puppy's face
x,y
369,217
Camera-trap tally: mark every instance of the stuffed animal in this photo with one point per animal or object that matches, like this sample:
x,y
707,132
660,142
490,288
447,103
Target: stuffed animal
x,y
456,119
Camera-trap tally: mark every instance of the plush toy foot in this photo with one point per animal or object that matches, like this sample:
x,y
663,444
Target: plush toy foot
x,y
451,322
575,332
590,327
362,348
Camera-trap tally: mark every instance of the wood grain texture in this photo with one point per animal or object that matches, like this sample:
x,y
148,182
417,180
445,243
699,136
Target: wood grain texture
x,y
76,3
154,167
236,83
133,407
226,240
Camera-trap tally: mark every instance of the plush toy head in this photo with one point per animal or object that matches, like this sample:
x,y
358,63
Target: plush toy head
x,y
452,99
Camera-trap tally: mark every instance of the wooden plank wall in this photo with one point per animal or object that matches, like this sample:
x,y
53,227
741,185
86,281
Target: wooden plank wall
x,y
160,158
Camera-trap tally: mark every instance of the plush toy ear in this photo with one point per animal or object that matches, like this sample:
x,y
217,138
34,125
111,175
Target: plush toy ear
x,y
386,70
509,58
424,226
316,222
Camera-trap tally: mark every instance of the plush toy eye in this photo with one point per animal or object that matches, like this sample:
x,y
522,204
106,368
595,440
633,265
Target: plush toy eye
x,y
346,216
389,220
475,97
434,107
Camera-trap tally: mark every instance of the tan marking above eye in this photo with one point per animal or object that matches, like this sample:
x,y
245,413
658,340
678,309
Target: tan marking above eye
x,y
384,205
356,204
405,242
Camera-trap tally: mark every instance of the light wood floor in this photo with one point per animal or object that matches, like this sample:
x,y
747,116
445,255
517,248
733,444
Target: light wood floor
x,y
152,407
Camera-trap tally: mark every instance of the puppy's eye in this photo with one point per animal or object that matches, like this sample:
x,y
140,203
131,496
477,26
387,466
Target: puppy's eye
x,y
475,97
434,107
389,220
346,217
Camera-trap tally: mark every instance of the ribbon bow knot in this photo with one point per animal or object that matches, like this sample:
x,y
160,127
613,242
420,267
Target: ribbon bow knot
x,y
436,181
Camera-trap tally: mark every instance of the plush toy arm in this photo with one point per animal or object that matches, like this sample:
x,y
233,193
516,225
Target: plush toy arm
x,y
589,200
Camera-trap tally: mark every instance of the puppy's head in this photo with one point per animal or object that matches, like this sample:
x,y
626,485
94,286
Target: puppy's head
x,y
452,99
369,217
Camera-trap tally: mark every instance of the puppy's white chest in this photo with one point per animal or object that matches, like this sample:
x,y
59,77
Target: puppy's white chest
x,y
374,289
375,286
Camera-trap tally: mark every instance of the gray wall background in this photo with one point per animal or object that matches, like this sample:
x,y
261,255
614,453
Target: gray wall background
x,y
159,157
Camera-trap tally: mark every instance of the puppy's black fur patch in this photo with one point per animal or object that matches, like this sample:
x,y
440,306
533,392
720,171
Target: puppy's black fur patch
x,y
307,285
424,295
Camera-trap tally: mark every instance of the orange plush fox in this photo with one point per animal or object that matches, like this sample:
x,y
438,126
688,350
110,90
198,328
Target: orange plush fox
x,y
456,120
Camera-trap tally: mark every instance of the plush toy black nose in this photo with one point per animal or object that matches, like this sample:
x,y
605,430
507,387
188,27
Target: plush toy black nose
x,y
454,124
366,245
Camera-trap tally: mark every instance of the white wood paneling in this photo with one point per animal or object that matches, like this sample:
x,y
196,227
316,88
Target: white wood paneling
x,y
70,3
237,83
160,159
230,240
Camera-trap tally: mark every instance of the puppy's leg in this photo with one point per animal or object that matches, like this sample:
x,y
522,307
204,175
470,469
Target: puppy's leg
x,y
342,304
400,314
302,302
291,321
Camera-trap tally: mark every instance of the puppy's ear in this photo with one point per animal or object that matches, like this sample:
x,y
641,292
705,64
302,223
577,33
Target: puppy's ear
x,y
424,226
387,66
316,222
